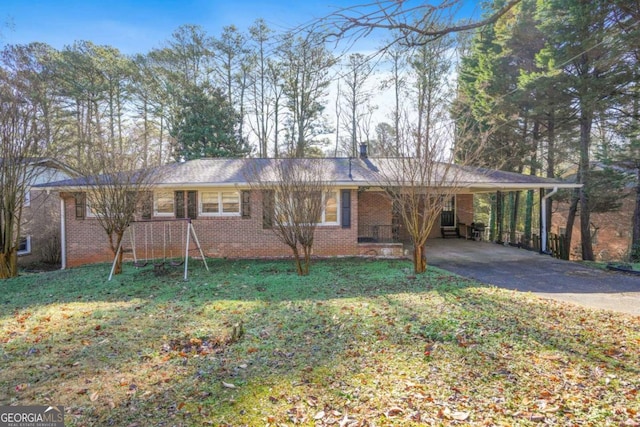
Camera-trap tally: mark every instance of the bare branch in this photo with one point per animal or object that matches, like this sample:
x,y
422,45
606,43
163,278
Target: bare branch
x,y
415,26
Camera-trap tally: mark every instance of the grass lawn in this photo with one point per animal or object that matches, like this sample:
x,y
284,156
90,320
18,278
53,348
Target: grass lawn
x,y
358,342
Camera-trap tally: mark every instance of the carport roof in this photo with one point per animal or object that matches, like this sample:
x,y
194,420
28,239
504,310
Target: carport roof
x,y
344,172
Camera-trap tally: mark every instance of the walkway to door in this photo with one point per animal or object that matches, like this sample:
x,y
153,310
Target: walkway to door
x,y
526,271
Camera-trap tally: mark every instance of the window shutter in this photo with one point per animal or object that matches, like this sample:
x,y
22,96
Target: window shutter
x,y
146,205
345,204
268,205
81,205
179,204
245,204
192,204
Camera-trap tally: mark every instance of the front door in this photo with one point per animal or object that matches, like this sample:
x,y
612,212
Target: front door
x,y
448,215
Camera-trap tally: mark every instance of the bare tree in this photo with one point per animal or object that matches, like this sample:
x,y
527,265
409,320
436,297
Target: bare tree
x,y
420,187
355,96
22,145
294,193
116,189
306,66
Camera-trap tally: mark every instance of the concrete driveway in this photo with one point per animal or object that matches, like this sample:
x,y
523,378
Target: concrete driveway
x,y
518,269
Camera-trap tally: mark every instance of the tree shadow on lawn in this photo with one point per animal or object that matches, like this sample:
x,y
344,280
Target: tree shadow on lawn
x,y
356,337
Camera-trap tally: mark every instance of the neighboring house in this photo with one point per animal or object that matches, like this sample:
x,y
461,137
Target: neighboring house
x,y
611,232
40,230
231,220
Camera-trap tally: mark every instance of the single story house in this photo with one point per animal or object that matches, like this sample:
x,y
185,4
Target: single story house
x,y
229,216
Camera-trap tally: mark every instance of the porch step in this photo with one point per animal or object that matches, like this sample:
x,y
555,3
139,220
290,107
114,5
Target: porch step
x,y
449,232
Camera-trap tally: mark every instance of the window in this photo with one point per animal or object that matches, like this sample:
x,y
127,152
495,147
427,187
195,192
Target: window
x,y
220,203
27,198
163,203
210,205
24,248
329,215
91,211
230,202
330,208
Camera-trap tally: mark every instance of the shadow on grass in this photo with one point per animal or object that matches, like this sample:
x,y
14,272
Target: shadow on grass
x,y
356,337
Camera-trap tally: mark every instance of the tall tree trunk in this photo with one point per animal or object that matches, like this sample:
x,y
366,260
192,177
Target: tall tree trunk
x,y
551,161
571,218
8,264
528,213
513,222
635,239
586,119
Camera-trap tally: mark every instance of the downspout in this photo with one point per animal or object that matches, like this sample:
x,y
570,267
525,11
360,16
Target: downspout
x,y
63,236
543,230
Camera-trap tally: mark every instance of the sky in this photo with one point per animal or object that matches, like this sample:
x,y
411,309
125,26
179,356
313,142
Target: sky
x,y
137,26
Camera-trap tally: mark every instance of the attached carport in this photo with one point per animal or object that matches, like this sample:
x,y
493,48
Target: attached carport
x,y
527,271
503,182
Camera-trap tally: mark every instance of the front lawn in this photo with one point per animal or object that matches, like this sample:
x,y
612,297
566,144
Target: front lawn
x,y
358,342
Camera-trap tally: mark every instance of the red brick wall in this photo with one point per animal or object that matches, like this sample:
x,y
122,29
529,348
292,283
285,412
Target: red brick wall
x,y
235,237
374,209
232,237
464,208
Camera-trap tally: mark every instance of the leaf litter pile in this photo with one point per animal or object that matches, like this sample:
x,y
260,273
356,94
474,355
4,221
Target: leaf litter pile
x,y
356,343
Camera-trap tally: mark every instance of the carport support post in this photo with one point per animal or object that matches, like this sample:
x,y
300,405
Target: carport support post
x,y
544,227
499,216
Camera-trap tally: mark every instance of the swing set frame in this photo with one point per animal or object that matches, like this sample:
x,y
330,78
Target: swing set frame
x,y
190,232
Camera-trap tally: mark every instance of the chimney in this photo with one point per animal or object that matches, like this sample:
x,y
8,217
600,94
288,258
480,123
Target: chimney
x,y
363,151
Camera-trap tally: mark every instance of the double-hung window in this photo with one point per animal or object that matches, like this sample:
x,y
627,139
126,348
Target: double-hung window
x,y
330,212
220,203
163,203
290,206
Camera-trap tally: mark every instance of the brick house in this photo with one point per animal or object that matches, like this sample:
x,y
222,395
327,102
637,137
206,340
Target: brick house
x,y
229,217
40,230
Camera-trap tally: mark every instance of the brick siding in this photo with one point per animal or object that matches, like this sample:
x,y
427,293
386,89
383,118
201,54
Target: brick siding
x,y
233,236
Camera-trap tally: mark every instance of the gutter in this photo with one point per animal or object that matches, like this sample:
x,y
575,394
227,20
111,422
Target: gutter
x,y
63,236
543,231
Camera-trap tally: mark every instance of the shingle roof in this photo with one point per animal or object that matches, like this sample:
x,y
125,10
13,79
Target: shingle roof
x,y
341,171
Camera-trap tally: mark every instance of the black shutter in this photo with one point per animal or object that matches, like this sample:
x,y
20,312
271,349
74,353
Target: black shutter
x,y
146,205
268,205
192,204
245,205
179,204
81,205
345,206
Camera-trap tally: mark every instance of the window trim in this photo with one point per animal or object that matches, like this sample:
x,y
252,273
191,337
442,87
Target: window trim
x,y
220,212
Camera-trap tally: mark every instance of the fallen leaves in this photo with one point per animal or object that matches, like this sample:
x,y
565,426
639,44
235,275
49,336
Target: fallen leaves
x,y
348,348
